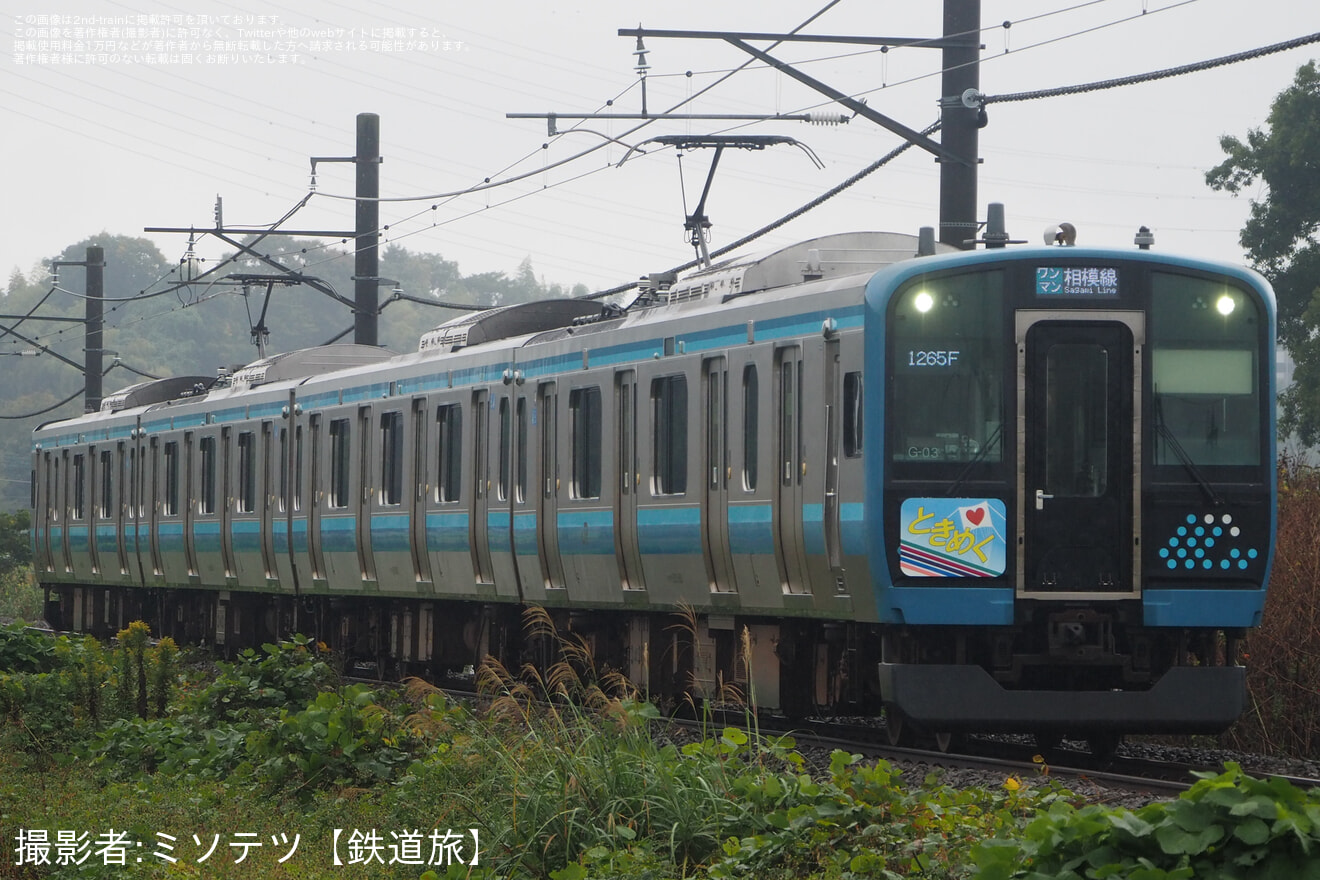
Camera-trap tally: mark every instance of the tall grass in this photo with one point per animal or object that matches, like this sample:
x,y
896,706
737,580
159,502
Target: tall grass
x,y
20,597
572,766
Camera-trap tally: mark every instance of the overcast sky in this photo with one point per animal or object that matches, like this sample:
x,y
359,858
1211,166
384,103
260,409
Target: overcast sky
x,y
115,127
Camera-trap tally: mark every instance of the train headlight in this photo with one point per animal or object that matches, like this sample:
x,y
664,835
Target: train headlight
x,y
924,302
1225,305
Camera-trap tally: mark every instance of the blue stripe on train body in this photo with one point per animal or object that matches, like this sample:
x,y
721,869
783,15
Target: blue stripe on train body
x,y
206,536
339,534
390,533
586,532
751,529
669,530
448,532
524,533
170,537
245,535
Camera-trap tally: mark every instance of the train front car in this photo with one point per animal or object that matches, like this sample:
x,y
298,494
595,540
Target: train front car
x,y
1075,489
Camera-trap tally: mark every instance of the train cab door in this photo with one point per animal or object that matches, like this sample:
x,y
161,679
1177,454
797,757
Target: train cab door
x,y
1079,380
716,474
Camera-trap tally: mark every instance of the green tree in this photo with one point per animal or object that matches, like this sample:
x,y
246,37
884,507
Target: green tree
x,y
15,550
1279,233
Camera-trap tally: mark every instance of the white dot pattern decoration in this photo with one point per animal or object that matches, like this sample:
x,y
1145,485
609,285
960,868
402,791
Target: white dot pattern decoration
x,y
1207,543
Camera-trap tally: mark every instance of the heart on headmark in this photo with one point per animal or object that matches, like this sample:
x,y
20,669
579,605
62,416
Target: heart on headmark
x,y
975,515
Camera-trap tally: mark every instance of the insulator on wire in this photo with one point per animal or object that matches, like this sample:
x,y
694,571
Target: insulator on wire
x,y
828,118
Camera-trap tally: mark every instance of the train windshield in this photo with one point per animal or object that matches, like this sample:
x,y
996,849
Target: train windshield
x,y
1205,372
947,360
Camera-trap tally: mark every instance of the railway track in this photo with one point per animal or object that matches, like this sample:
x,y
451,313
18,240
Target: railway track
x,y
976,760
991,762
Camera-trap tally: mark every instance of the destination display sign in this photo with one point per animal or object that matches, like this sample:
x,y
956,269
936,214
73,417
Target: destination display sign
x,y
1077,281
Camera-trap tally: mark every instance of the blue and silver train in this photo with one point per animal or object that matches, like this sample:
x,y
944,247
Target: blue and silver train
x,y
1024,489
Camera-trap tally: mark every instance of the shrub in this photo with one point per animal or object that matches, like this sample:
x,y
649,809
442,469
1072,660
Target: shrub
x,y
1283,675
1226,826
26,650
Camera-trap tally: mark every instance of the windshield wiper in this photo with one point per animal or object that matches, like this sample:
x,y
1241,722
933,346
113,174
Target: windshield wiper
x,y
1163,431
975,459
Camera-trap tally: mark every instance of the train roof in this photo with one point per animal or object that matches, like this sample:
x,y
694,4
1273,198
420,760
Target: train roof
x,y
520,319
827,256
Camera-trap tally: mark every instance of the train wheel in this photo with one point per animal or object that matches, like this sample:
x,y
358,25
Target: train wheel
x,y
947,741
898,730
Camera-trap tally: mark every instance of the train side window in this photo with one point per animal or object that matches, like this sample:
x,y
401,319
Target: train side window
x,y
669,426
79,479
520,441
790,417
584,440
107,485
284,470
132,482
506,436
297,467
391,465
1205,373
170,502
207,500
751,415
852,414
449,476
339,462
247,472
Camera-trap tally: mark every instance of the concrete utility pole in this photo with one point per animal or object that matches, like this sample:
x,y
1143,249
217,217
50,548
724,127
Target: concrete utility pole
x,y
366,268
961,119
94,339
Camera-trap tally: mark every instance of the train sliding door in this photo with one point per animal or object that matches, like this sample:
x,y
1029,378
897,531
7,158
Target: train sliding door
x,y
716,474
1079,389
547,518
625,501
501,496
791,467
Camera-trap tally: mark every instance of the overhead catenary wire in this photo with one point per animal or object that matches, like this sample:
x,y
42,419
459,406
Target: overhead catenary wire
x,y
786,218
803,209
41,412
1152,76
488,183
1007,24
1022,96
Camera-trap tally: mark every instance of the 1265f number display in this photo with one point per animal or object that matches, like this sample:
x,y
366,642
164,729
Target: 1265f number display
x,y
941,358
